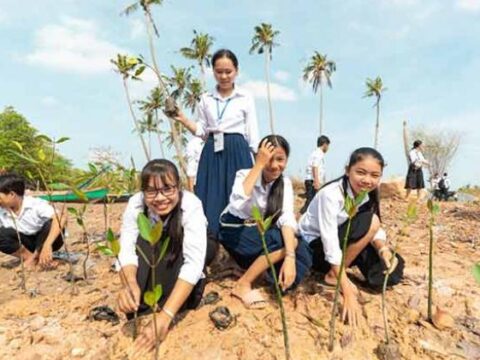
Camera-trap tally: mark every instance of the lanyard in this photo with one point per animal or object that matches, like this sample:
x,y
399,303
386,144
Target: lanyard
x,y
220,113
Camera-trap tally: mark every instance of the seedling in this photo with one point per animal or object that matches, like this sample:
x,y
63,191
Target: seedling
x,y
476,272
433,209
152,234
263,226
351,208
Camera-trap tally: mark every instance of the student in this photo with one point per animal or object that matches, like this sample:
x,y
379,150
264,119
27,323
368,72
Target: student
x,y
228,123
315,174
40,232
324,225
181,270
193,152
414,178
265,186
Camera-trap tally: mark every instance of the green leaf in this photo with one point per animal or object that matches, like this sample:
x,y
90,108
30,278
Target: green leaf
x,y
156,232
412,211
267,223
43,138
164,247
110,235
435,209
62,140
256,214
145,227
158,292
429,205
80,221
131,60
349,206
29,174
115,246
24,157
72,211
149,298
140,70
476,272
92,168
360,197
18,145
41,155
105,250
80,195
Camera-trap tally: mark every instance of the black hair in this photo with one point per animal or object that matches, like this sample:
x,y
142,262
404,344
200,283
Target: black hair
x,y
445,174
167,171
417,143
225,53
323,139
275,197
12,182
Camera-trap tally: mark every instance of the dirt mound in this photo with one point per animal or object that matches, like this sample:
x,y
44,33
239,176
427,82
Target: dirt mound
x,y
392,189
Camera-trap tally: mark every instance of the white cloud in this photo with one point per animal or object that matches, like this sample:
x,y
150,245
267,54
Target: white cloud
x,y
74,45
137,29
141,89
470,5
281,75
49,101
277,91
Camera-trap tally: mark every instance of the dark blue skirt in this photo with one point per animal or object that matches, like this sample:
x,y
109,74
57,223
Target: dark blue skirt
x,y
244,244
216,174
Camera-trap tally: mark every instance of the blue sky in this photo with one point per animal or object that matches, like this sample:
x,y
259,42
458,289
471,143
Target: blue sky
x,y
55,69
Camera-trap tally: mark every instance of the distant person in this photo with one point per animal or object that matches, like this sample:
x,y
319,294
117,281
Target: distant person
x,y
315,172
227,121
325,223
444,188
414,180
39,230
180,272
193,152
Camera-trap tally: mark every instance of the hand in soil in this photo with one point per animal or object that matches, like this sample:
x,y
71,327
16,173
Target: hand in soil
x,y
129,298
145,342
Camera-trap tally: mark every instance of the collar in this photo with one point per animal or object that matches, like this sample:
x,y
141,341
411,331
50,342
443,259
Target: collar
x,y
237,91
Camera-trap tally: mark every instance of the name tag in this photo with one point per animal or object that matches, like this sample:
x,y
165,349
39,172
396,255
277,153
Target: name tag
x,y
218,142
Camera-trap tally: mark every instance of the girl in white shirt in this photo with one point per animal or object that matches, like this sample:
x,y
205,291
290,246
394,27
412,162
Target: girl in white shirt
x,y
181,270
227,122
324,225
414,180
265,186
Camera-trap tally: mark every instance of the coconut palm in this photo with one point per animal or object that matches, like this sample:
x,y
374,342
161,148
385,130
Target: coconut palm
x,y
263,42
152,105
319,71
375,88
192,94
179,81
199,51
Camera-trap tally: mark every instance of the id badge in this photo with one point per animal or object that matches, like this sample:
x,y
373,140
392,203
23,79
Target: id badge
x,y
218,142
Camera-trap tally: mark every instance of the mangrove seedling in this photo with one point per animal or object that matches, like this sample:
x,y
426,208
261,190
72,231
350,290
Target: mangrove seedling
x,y
433,210
351,208
263,226
476,272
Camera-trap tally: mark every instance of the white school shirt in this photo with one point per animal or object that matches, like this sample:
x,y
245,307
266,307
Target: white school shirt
x,y
193,151
35,212
323,217
239,115
241,205
194,235
416,158
316,159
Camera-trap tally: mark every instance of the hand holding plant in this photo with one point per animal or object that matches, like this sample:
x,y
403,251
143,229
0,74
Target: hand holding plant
x,y
146,341
45,259
288,272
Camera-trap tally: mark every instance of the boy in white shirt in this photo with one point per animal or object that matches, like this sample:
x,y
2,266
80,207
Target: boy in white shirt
x,y
315,172
35,221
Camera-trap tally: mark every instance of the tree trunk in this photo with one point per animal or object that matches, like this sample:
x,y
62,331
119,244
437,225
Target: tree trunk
x,y
267,76
406,142
203,75
377,125
159,135
321,111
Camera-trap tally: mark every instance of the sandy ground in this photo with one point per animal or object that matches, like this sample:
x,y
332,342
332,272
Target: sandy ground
x,y
48,322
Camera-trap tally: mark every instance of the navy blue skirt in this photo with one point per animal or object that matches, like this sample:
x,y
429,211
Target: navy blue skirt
x,y
216,174
244,244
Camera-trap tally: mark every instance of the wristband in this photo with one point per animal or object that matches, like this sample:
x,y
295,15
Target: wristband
x,y
170,314
290,254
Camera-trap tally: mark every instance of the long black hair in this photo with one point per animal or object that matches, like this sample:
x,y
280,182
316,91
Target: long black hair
x,y
167,171
275,197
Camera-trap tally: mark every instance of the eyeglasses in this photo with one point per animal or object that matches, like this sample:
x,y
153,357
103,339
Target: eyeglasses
x,y
165,191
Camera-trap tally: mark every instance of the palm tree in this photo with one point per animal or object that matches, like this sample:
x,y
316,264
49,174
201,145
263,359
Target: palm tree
x,y
179,81
319,71
375,88
192,94
154,102
199,51
263,43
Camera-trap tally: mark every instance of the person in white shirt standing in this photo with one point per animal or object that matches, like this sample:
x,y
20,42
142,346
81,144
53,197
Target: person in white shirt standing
x,y
266,187
414,180
227,121
181,271
35,220
193,152
325,223
315,172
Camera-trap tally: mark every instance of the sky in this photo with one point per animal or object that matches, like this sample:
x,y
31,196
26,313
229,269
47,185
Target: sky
x,y
55,69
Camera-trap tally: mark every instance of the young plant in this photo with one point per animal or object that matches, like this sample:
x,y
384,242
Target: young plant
x,y
263,226
152,234
409,218
433,209
476,272
112,249
351,208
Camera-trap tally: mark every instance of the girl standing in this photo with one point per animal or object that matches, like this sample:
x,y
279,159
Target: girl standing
x,y
415,173
227,121
181,270
264,186
324,227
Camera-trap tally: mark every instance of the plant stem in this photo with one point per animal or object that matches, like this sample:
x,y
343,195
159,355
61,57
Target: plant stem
x,y
430,268
279,299
337,289
154,308
23,282
384,301
135,314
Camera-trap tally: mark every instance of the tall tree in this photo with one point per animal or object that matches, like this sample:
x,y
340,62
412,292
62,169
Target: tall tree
x,y
263,42
199,51
375,88
319,71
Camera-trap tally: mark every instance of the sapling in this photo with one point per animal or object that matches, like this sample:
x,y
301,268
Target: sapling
x,y
152,234
263,226
351,208
476,272
433,209
80,219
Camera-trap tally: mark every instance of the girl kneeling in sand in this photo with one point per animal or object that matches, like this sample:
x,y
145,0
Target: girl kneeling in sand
x,y
181,270
324,226
265,186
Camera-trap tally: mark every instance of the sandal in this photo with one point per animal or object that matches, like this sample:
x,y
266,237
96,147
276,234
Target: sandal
x,y
104,313
252,299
